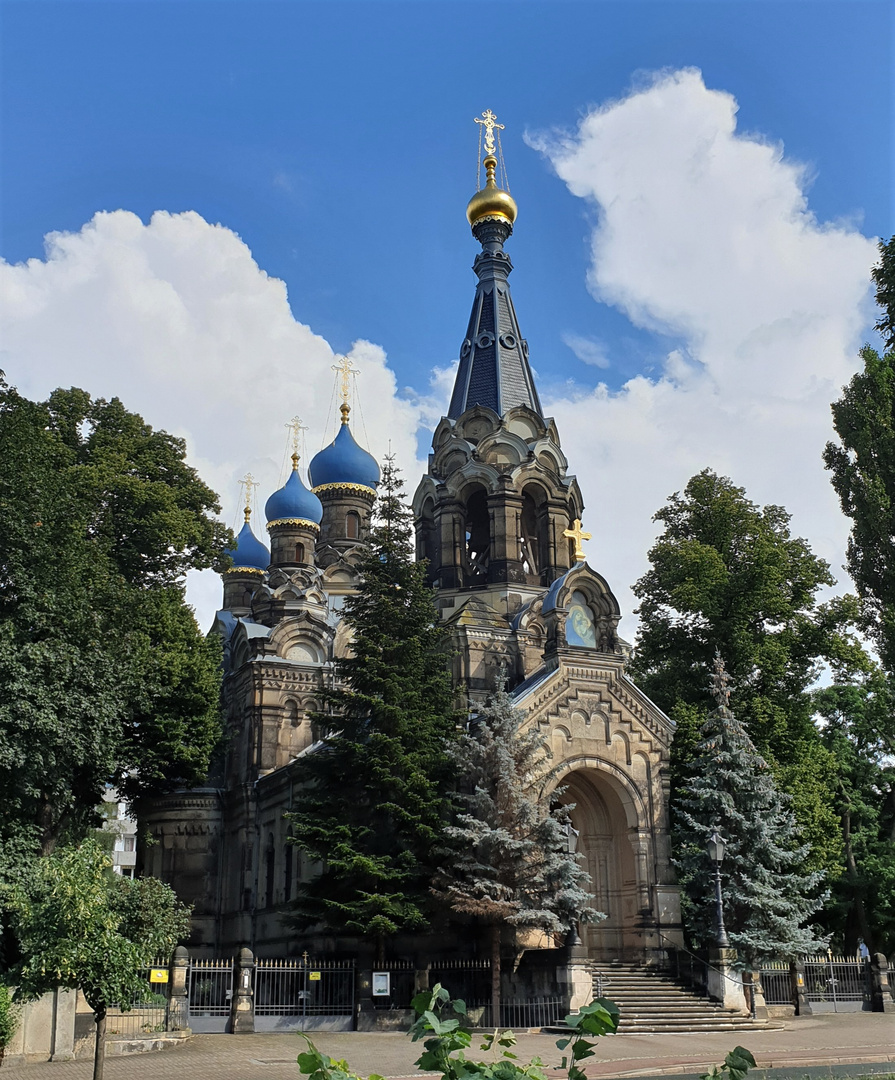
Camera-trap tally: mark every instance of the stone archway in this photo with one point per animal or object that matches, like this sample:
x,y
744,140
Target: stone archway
x,y
610,840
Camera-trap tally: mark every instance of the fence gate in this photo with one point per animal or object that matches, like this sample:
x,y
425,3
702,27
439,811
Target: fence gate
x,y
838,984
304,995
209,992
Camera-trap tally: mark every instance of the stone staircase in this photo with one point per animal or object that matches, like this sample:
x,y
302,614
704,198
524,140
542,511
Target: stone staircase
x,y
650,1002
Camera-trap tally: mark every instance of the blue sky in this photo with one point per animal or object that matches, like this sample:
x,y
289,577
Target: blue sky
x,y
336,140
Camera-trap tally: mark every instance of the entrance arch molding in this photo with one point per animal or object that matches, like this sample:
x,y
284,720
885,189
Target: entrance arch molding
x,y
636,815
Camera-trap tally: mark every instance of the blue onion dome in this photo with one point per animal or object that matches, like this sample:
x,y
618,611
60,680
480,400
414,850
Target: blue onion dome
x,y
249,554
293,504
343,463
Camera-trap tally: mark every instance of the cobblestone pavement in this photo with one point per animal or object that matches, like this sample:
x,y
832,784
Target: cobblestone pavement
x,y
810,1041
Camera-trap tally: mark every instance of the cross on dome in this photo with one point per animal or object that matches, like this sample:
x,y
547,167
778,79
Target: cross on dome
x,y
577,534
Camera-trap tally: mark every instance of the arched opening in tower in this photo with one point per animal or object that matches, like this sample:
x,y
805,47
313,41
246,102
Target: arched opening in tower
x,y
427,547
534,542
478,537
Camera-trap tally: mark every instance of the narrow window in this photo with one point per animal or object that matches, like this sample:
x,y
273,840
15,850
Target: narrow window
x,y
269,860
352,525
299,553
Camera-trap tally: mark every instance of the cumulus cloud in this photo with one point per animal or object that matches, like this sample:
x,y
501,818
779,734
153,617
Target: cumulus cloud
x,y
705,233
586,349
177,319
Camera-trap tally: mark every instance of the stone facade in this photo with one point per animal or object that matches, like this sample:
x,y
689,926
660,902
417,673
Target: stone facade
x,y
498,521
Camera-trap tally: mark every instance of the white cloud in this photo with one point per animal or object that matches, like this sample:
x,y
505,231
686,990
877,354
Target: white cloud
x,y
177,319
586,349
706,234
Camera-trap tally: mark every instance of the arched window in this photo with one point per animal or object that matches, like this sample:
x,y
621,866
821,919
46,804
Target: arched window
x,y
580,630
299,553
287,871
427,539
247,598
478,537
352,525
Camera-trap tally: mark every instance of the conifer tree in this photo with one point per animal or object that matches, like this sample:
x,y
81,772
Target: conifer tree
x,y
509,860
767,896
370,801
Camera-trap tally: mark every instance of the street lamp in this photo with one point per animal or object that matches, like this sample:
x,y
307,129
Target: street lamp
x,y
716,847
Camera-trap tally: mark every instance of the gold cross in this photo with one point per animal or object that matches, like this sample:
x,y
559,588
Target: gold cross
x,y
296,427
577,534
490,121
344,366
249,483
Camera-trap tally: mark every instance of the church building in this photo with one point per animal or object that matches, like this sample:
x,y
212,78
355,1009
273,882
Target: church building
x,y
498,520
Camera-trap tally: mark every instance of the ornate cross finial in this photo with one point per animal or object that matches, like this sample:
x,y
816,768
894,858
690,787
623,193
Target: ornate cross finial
x,y
249,483
344,366
720,684
296,427
577,534
490,121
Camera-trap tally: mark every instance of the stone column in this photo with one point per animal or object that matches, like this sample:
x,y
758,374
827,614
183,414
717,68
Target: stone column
x,y
575,979
242,1009
178,1001
723,983
881,987
797,986
62,1038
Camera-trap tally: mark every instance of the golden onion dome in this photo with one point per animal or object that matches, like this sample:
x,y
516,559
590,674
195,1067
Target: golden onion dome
x,y
491,201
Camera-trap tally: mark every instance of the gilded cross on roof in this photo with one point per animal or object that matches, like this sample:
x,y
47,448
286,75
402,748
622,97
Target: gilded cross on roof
x,y
489,119
249,483
577,534
296,427
344,367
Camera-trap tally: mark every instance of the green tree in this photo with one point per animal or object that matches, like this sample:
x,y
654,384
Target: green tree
x,y
104,674
767,896
370,801
80,926
509,860
858,716
863,470
727,574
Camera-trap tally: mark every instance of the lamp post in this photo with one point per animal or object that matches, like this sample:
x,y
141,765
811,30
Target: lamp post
x,y
716,846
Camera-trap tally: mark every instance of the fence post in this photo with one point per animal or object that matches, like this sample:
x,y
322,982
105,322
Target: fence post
x,y
242,1010
881,987
797,988
759,1007
178,1005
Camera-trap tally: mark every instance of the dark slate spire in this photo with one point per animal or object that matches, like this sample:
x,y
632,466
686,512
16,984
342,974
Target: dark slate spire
x,y
494,369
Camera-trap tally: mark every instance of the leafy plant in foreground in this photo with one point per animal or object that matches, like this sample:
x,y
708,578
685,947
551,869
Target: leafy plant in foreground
x,y
737,1063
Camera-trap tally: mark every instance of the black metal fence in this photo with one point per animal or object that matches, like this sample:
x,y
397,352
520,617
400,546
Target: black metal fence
x,y
776,982
209,993
838,983
147,1014
519,1013
304,994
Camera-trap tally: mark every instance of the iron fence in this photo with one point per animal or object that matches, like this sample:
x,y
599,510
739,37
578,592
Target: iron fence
x,y
837,983
402,985
776,982
466,979
147,1012
303,993
209,993
520,1013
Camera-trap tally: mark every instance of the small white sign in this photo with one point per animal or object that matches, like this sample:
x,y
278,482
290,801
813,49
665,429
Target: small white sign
x,y
382,983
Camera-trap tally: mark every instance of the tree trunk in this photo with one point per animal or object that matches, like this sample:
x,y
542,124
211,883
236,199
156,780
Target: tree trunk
x,y
495,974
99,1053
852,871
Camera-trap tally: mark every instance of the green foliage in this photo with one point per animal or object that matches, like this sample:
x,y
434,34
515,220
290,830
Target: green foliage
x,y
9,1018
104,674
370,799
444,1024
863,476
78,925
728,575
508,858
766,892
859,733
737,1063
884,277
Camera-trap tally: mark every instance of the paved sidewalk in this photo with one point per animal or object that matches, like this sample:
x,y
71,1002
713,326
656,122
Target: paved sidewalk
x,y
828,1040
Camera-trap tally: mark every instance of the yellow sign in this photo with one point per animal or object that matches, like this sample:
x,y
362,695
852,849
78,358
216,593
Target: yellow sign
x,y
314,976
158,975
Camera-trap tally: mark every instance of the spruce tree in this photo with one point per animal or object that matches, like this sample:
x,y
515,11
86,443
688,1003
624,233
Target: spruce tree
x,y
509,860
767,895
370,801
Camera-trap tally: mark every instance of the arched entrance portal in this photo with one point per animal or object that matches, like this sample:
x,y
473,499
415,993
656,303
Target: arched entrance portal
x,y
614,851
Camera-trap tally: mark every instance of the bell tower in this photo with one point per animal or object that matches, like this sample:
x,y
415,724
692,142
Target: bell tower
x,y
497,499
